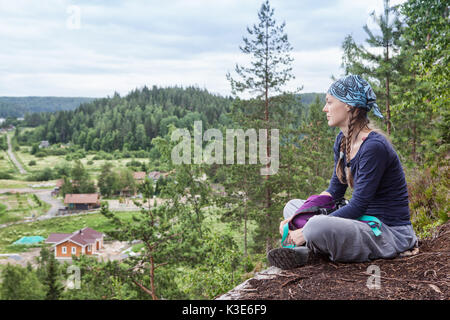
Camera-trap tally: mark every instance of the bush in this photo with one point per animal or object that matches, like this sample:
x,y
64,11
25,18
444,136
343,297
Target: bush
x,y
5,175
134,163
78,155
40,154
44,175
63,170
57,152
141,154
32,163
428,192
90,162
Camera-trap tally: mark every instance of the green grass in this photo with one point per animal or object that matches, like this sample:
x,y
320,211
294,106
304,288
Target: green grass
x,y
15,207
43,228
94,169
5,163
20,184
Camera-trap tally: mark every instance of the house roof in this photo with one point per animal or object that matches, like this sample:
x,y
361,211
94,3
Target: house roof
x,y
82,237
154,175
81,198
92,233
59,183
139,175
57,237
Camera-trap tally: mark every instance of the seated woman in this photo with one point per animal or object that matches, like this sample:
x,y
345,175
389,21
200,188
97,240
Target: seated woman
x,y
366,161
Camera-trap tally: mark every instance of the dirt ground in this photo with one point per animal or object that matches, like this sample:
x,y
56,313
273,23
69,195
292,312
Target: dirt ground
x,y
21,258
425,276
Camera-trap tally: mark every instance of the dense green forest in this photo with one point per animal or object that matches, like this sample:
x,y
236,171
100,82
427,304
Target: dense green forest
x,y
16,107
187,252
132,121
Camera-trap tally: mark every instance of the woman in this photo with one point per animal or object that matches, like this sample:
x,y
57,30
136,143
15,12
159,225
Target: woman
x,y
366,161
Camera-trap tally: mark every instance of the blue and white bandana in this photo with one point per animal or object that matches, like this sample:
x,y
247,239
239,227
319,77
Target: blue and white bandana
x,y
356,92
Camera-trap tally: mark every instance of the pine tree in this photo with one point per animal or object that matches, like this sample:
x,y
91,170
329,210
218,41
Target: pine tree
x,y
379,69
269,71
54,287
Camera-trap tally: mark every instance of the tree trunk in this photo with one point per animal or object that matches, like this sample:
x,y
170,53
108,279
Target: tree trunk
x,y
388,110
245,237
152,279
266,103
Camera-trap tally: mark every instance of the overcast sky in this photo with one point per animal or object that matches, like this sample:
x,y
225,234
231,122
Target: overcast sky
x,y
94,48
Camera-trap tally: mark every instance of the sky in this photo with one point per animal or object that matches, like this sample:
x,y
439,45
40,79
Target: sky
x,y
93,48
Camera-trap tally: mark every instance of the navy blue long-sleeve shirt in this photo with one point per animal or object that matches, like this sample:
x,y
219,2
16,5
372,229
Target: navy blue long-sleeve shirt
x,y
380,188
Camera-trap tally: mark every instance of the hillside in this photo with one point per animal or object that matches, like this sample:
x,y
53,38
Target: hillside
x,y
132,121
16,107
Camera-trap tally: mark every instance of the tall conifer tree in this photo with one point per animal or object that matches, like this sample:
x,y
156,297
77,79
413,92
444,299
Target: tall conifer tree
x,y
269,71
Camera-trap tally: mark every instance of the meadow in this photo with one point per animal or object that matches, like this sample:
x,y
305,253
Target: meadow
x,y
18,206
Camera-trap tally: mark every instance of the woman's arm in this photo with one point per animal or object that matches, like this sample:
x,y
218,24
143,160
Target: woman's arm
x,y
372,165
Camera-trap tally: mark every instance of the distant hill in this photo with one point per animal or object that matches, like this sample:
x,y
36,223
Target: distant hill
x,y
18,106
308,98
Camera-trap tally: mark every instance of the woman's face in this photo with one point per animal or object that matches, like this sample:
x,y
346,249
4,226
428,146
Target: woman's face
x,y
337,111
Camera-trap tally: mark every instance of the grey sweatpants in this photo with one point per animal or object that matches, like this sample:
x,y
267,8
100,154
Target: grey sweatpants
x,y
348,240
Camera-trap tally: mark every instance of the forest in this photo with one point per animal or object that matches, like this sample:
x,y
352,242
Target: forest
x,y
184,254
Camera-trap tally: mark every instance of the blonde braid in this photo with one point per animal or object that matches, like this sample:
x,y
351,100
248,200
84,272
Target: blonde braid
x,y
348,144
340,163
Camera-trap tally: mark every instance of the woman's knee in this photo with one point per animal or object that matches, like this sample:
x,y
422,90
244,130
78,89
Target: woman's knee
x,y
292,206
317,228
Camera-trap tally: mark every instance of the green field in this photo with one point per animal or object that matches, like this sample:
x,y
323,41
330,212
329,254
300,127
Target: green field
x,y
5,163
54,161
15,207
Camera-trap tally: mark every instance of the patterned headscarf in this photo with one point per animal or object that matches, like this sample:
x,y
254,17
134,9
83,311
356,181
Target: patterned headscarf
x,y
356,92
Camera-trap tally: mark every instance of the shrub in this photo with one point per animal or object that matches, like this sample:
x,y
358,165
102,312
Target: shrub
x,y
5,175
40,154
428,196
57,152
90,162
44,175
134,163
141,154
32,163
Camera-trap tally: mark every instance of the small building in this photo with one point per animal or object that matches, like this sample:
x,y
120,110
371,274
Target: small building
x,y
154,175
58,184
44,144
139,176
84,241
82,201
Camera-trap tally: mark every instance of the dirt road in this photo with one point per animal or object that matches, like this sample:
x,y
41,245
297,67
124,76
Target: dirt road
x,y
13,157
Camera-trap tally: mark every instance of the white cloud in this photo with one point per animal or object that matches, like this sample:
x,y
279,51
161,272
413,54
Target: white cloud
x,y
122,45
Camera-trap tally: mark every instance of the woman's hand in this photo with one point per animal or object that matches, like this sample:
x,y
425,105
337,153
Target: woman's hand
x,y
282,225
296,237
